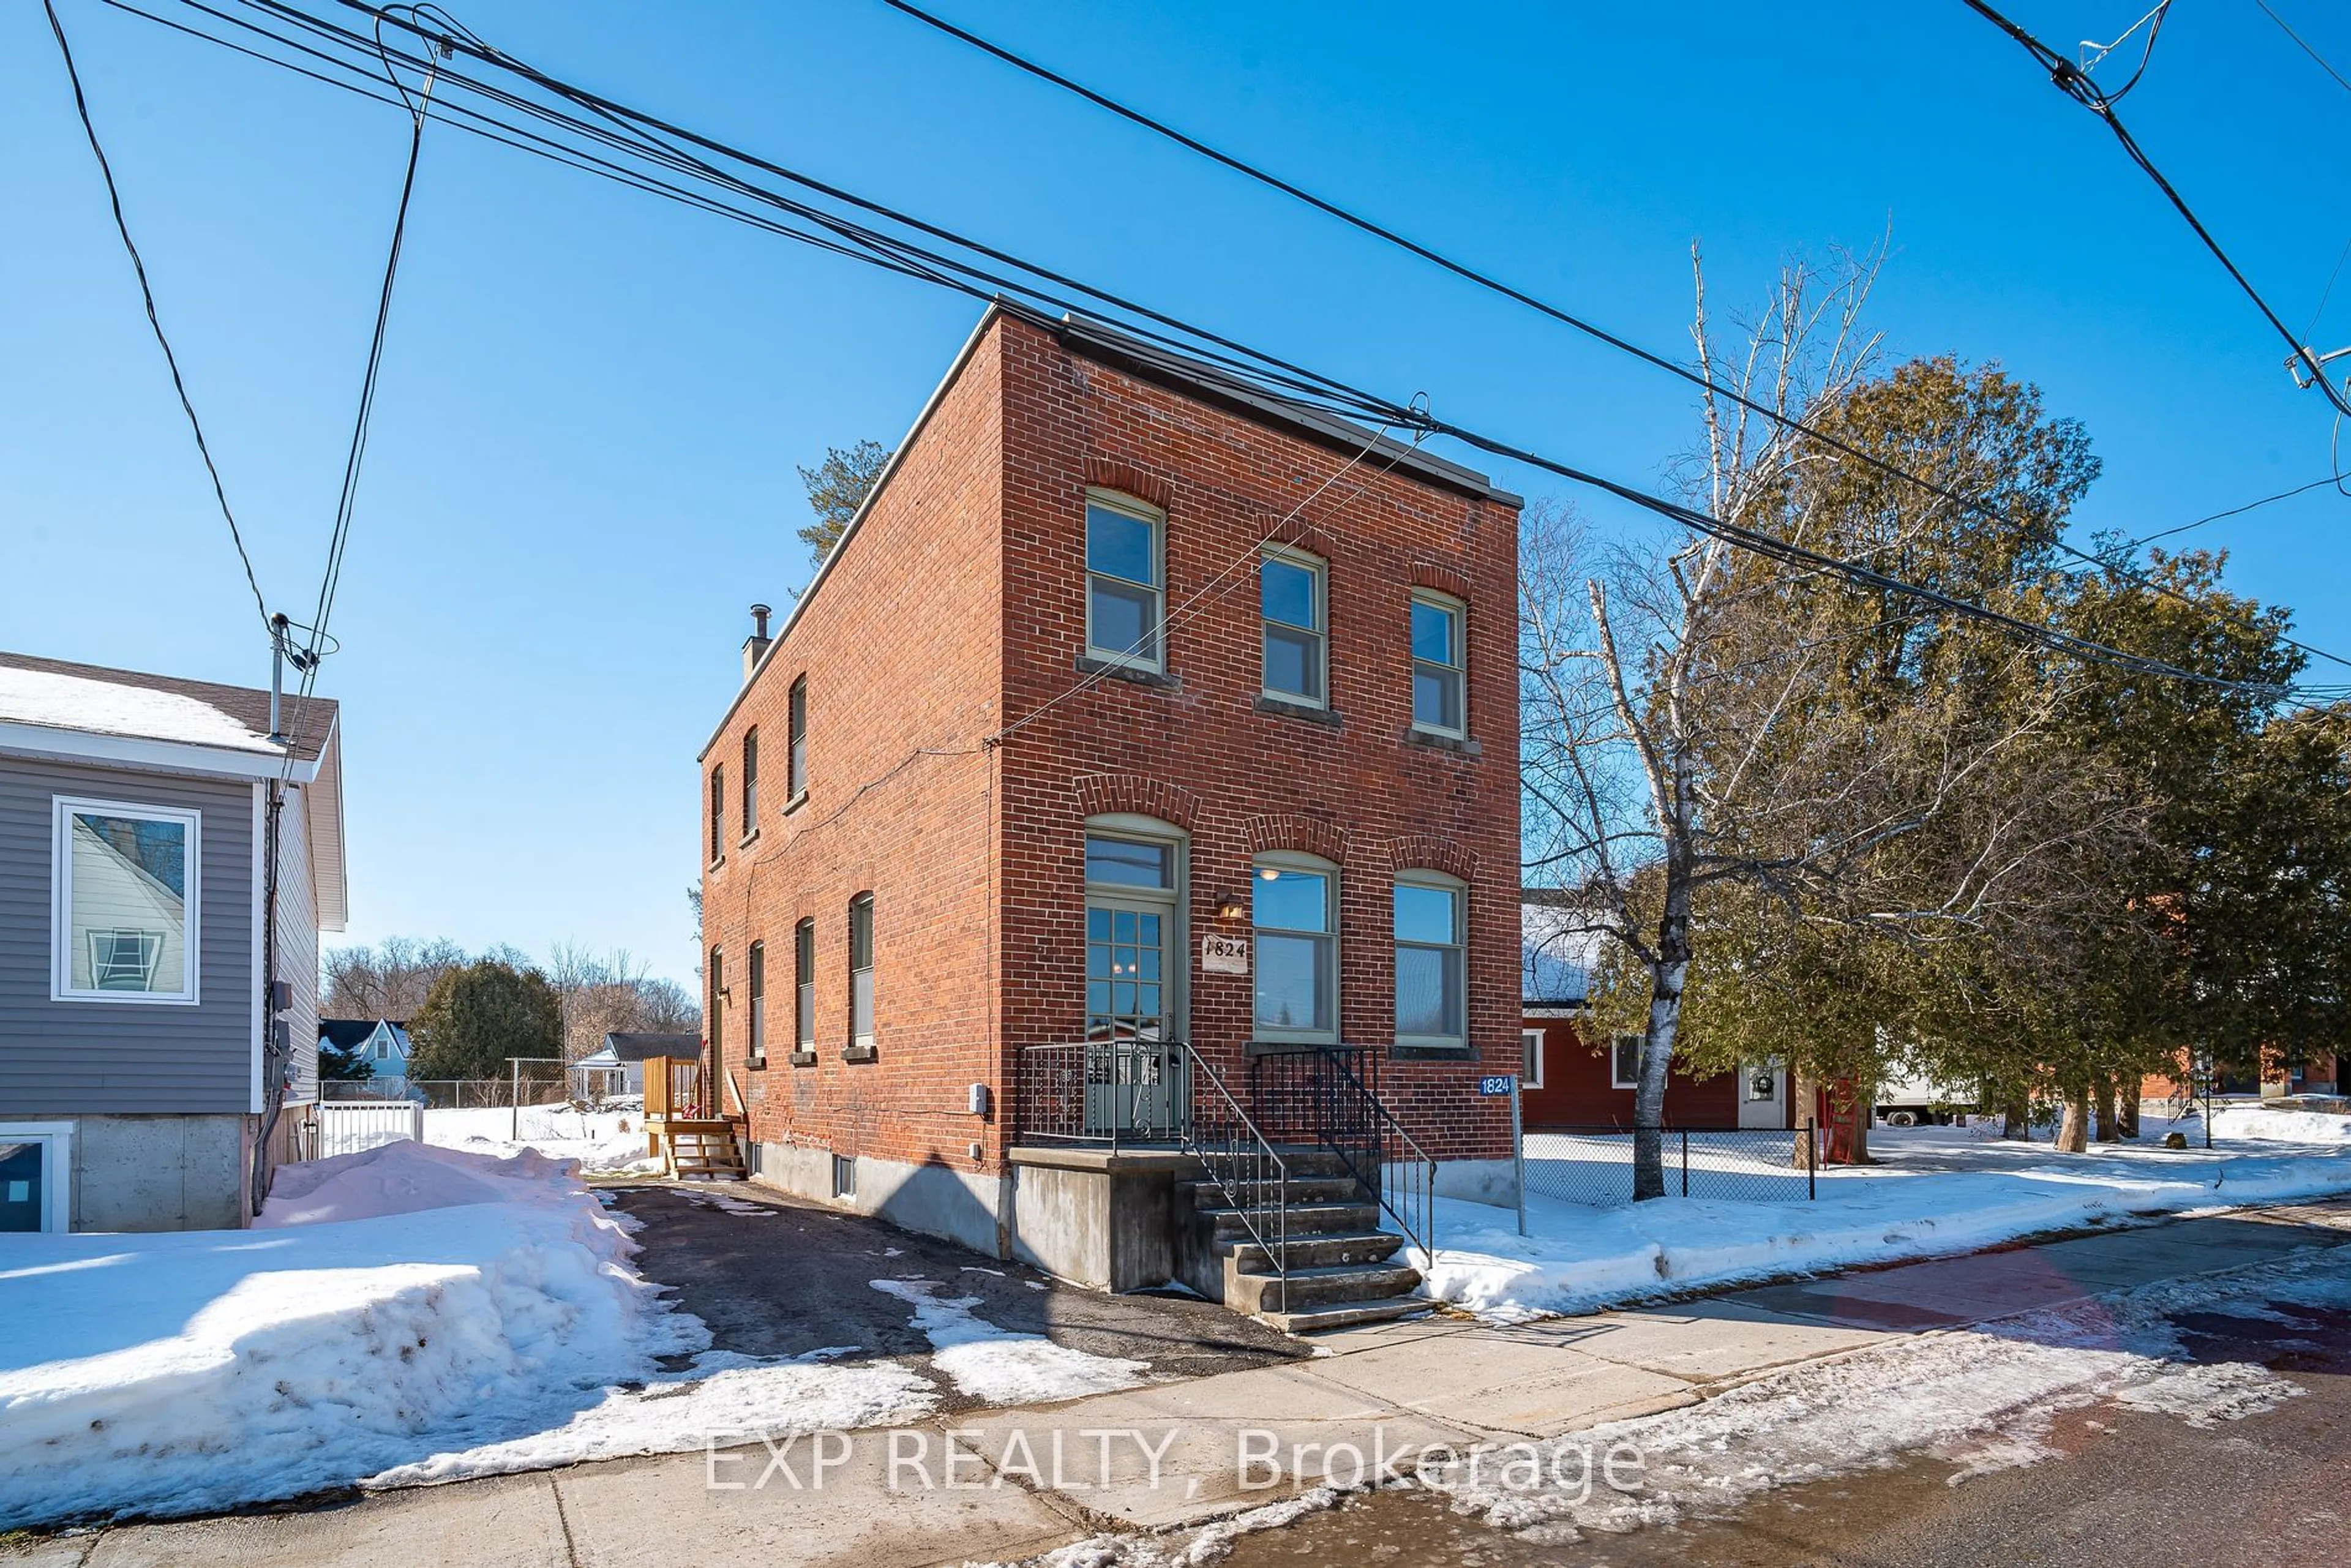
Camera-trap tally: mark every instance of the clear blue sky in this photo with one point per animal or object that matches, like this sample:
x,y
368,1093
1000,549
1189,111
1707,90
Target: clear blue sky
x,y
582,463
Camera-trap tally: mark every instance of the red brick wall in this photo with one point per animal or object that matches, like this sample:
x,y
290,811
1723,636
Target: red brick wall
x,y
1237,780
898,643
959,606
1577,1090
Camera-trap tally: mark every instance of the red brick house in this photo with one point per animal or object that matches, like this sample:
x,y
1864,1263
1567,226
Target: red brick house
x,y
1144,734
1570,1079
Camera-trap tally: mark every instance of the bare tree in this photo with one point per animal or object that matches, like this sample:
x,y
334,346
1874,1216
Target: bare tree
x,y
1700,719
389,980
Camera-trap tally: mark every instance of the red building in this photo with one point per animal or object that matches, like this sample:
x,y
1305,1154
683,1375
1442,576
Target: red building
x,y
1140,731
1570,1078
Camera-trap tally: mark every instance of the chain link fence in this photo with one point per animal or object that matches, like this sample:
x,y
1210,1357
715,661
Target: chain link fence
x,y
1593,1165
461,1093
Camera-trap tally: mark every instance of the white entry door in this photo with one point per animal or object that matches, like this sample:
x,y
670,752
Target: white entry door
x,y
1763,1094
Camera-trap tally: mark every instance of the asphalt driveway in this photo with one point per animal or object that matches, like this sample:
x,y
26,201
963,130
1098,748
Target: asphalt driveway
x,y
776,1277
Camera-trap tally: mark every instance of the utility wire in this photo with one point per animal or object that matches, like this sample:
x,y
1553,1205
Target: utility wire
x,y
1250,369
2076,83
2303,45
154,321
2145,539
2153,21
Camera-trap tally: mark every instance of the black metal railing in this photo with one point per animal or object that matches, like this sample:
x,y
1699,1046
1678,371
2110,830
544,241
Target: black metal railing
x,y
1325,1097
1246,1167
1110,1091
1595,1165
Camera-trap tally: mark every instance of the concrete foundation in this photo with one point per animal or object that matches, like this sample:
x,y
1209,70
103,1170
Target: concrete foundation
x,y
962,1206
1097,1217
161,1173
1478,1181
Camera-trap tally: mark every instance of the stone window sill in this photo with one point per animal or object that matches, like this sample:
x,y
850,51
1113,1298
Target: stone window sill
x,y
748,839
794,803
1137,674
1307,711
860,1053
1403,1052
1459,745
804,1059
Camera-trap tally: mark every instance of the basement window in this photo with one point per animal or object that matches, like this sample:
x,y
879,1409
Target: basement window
x,y
33,1160
845,1175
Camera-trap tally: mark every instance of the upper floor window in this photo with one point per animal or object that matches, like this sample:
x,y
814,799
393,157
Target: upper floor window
x,y
1125,579
804,987
1294,911
796,763
717,815
1291,602
125,922
1436,664
1531,1054
756,1052
1432,995
750,782
861,974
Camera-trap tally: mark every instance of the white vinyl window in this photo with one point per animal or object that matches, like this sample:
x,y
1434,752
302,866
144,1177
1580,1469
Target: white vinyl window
x,y
804,986
125,927
1291,601
861,974
1295,921
1431,980
1436,665
1125,579
34,1158
1531,1043
1625,1061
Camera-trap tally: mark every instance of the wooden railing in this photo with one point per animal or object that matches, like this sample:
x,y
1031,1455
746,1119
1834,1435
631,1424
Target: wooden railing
x,y
673,1090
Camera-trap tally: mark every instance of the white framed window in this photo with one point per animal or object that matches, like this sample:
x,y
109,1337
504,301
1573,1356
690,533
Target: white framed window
x,y
1293,604
126,925
35,1157
1531,1054
758,1055
804,986
1294,920
1625,1061
1431,960
1126,559
861,974
795,759
1437,662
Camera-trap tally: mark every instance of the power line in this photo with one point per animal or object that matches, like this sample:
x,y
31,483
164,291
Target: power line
x,y
2303,45
2153,21
154,321
2234,511
2076,83
646,136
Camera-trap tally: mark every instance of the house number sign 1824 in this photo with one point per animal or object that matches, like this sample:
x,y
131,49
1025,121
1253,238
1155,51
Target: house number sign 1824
x,y
1222,955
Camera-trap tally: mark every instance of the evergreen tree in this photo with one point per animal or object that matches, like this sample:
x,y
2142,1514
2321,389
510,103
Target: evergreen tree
x,y
478,1017
836,489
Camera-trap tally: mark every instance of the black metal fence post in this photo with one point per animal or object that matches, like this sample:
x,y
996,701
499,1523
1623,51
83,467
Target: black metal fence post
x,y
1811,1160
1685,1162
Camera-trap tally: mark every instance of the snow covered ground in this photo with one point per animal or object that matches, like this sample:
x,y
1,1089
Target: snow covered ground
x,y
1939,1191
413,1313
605,1142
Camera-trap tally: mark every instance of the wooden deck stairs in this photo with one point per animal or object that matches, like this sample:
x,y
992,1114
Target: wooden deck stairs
x,y
685,1128
701,1151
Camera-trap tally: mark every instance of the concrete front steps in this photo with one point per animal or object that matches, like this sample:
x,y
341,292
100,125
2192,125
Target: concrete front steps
x,y
1342,1264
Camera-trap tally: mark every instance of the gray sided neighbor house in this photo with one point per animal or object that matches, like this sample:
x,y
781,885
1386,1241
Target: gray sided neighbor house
x,y
142,1086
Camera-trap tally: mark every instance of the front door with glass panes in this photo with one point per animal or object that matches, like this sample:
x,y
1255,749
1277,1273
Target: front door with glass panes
x,y
1134,984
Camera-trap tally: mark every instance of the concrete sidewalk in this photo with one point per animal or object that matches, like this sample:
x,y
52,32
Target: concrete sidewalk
x,y
1009,1483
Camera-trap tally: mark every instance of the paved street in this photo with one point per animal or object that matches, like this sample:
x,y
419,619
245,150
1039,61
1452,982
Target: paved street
x,y
1007,1484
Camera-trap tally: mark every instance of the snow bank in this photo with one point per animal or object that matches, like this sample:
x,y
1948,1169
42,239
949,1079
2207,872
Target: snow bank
x,y
1941,1191
390,1305
2259,1122
605,1142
